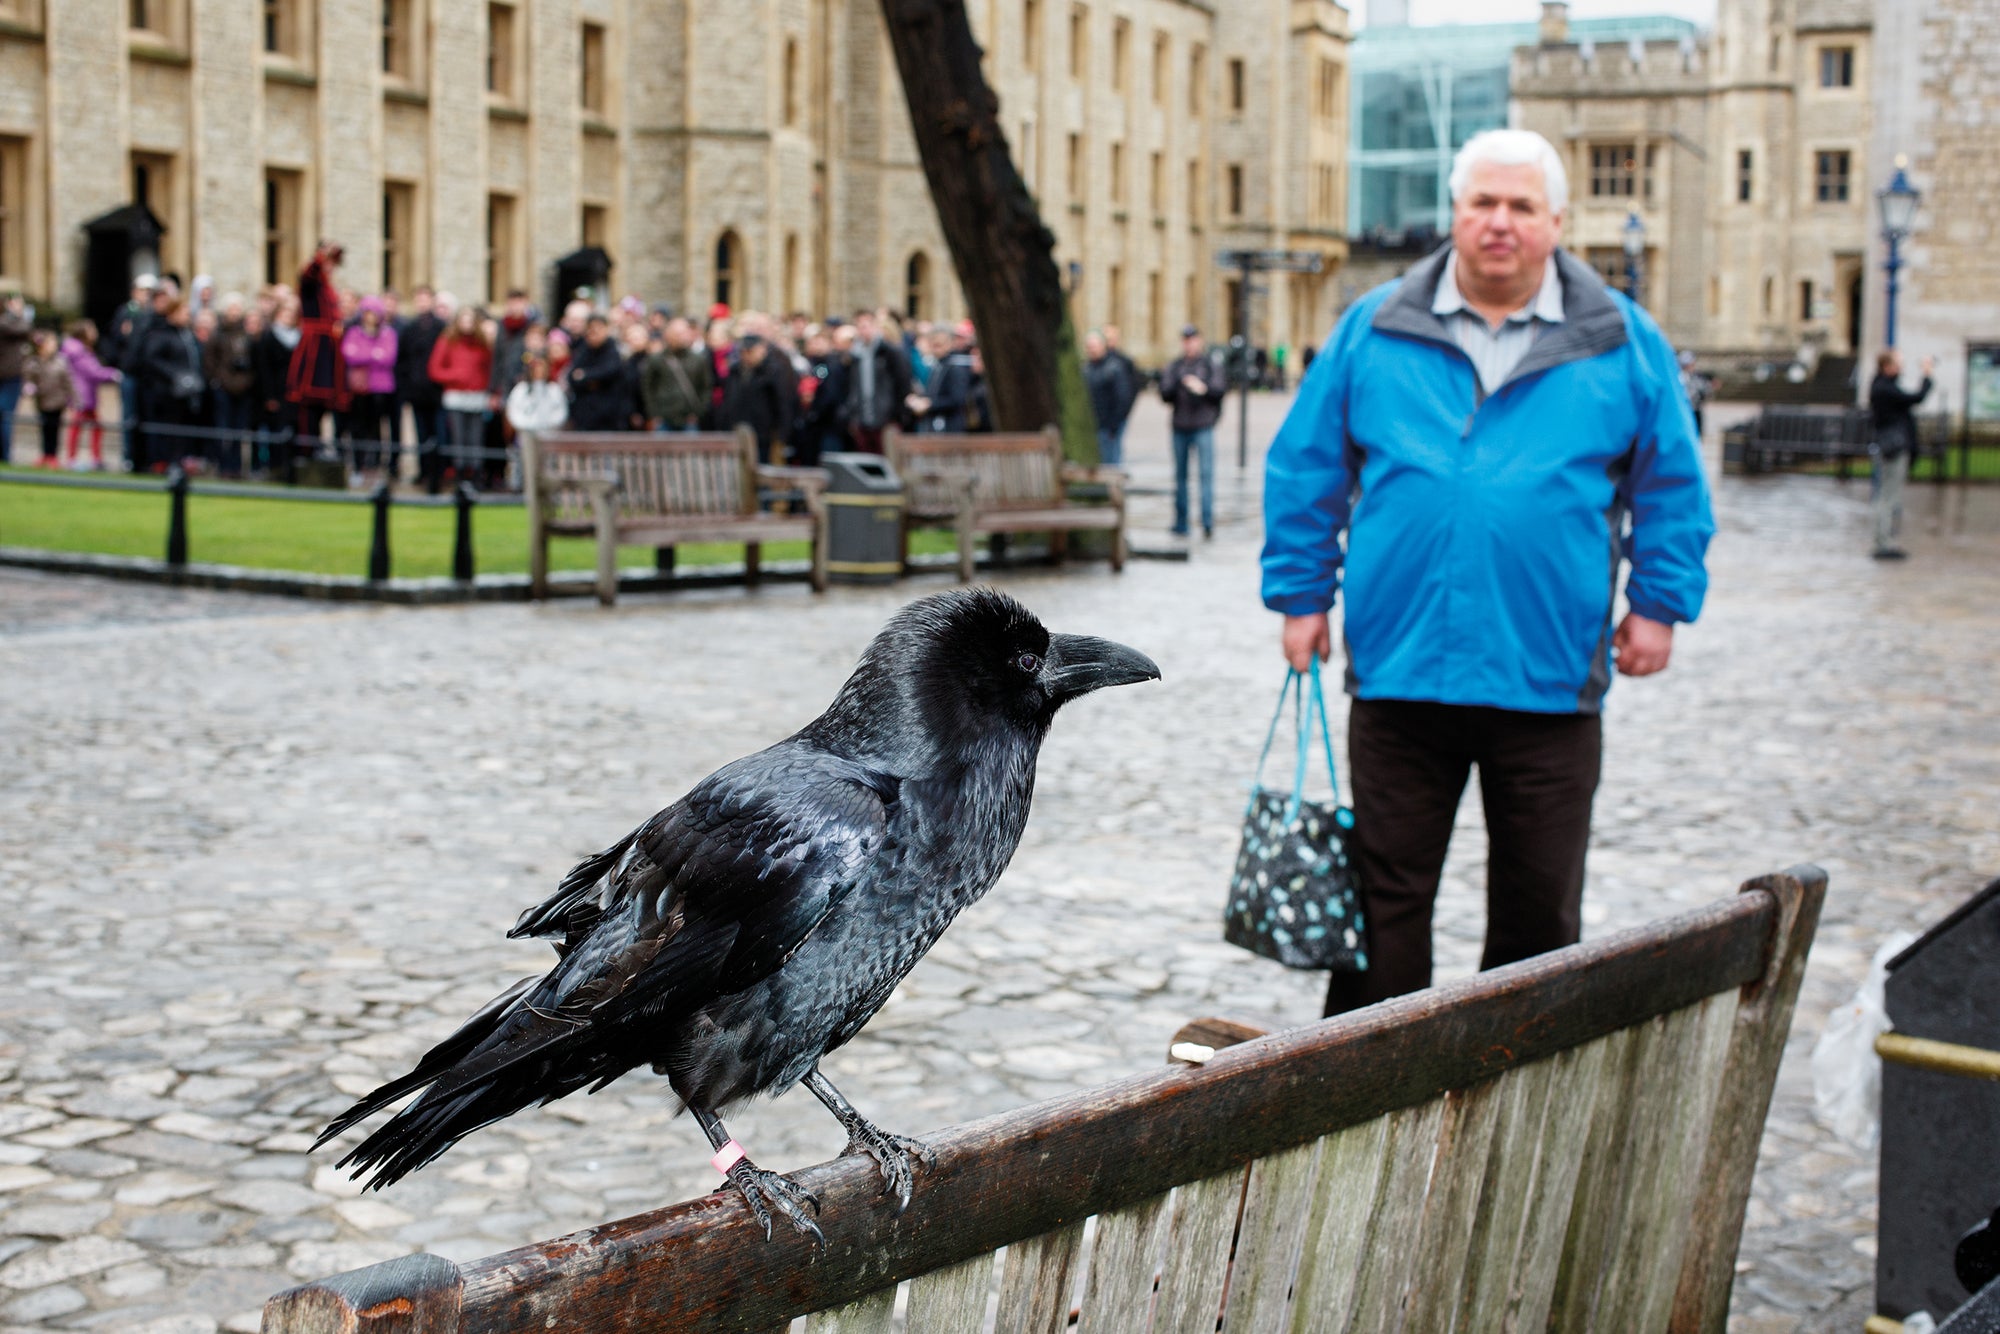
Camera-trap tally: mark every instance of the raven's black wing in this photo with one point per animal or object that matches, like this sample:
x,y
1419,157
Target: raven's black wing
x,y
708,897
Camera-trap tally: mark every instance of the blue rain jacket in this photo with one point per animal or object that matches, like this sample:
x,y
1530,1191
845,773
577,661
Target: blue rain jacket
x,y
1484,533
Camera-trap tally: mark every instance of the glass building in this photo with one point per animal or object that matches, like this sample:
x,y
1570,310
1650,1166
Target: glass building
x,y
1420,93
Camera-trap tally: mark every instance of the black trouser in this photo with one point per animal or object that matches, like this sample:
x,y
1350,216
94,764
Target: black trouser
x,y
1408,764
51,434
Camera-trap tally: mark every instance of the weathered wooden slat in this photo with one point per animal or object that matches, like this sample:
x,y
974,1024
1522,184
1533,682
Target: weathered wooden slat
x,y
1676,1096
1606,1164
417,1294
1276,1208
1391,1249
1454,1202
1198,1246
1038,1282
1505,1195
873,1314
1350,1182
1750,1072
1036,1169
1124,1262
952,1300
1559,1153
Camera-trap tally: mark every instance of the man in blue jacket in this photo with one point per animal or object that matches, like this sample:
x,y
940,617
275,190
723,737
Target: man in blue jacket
x,y
1481,432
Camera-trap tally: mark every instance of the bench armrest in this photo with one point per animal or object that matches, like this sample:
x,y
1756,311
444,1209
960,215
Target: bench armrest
x,y
809,480
1112,479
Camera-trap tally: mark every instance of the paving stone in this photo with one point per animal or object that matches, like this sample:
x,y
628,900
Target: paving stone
x,y
177,1229
56,1220
66,1260
45,1303
279,1198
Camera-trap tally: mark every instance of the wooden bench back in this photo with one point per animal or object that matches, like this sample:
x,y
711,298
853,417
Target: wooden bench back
x,y
1565,1143
1017,472
709,475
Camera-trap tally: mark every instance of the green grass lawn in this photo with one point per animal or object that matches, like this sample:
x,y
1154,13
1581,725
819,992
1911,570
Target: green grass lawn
x,y
320,538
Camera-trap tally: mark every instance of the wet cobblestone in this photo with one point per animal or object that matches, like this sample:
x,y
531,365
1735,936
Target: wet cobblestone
x,y
257,855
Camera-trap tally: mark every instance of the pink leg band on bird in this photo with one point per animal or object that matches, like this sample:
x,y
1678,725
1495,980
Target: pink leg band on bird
x,y
727,1157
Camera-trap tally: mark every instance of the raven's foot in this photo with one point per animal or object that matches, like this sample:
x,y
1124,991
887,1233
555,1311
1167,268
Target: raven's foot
x,y
893,1153
788,1197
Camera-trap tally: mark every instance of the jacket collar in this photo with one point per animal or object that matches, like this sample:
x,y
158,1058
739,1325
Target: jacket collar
x,y
1592,322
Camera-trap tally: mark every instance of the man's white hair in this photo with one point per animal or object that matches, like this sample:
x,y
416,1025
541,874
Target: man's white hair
x,y
1513,148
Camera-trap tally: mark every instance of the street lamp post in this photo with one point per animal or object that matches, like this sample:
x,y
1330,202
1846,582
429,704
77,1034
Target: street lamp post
x,y
1635,256
1898,202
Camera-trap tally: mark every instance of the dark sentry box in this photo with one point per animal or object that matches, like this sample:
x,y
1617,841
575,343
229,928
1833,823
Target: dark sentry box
x,y
1940,1131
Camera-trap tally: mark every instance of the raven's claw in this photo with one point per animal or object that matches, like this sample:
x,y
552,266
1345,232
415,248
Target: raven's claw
x,y
893,1153
758,1184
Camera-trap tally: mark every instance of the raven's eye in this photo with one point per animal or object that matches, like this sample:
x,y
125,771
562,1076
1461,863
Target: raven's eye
x,y
1028,663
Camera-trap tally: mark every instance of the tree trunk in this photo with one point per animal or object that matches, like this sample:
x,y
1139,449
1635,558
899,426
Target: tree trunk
x,y
1004,253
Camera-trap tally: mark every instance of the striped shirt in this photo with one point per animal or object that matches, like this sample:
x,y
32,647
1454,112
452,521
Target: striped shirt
x,y
1496,352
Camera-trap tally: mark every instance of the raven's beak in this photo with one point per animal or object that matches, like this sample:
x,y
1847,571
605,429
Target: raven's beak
x,y
1078,664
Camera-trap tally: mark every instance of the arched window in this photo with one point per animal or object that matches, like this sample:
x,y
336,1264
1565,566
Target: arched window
x,y
917,287
732,277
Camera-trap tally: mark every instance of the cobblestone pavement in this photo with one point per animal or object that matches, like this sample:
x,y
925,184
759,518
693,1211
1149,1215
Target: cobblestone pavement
x,y
256,855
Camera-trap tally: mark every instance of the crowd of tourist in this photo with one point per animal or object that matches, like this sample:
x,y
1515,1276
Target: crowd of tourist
x,y
250,384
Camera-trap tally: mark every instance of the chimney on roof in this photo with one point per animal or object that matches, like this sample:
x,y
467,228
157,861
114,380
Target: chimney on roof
x,y
1555,22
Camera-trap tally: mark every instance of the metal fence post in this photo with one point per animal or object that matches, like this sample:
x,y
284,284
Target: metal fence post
x,y
378,549
461,550
177,530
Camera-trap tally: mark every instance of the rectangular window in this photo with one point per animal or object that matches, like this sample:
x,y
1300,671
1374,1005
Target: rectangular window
x,y
1836,67
1805,298
1651,160
1235,190
13,212
1745,174
1153,307
280,20
399,39
283,218
1613,171
1121,42
156,184
1194,200
1197,79
499,246
399,235
1079,43
1073,175
1192,300
1236,89
1118,174
1031,35
1328,90
500,50
1117,315
791,81
596,225
1156,184
1830,177
162,19
591,89
1163,49
1031,164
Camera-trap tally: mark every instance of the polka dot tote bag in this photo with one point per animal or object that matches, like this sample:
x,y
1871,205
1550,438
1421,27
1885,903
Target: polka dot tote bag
x,y
1293,896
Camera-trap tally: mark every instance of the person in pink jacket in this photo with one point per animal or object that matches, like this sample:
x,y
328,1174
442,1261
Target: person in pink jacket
x,y
88,375
369,349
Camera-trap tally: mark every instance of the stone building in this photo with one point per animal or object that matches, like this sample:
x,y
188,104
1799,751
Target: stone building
x,y
757,153
1745,156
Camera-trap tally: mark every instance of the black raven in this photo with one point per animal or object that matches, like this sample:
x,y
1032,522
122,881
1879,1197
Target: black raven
x,y
757,923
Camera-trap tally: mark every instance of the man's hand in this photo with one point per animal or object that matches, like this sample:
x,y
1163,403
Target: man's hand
x,y
1306,636
1194,386
1643,646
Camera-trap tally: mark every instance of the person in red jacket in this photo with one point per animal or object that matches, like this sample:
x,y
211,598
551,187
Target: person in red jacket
x,y
317,379
462,366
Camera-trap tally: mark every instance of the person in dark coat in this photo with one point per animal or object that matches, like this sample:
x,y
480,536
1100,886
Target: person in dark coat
x,y
1893,408
415,337
118,347
17,348
940,408
595,378
271,365
822,390
171,386
761,393
674,381
878,382
1113,383
318,378
226,363
1194,386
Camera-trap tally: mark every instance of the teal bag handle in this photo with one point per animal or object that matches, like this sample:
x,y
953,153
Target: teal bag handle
x,y
1304,707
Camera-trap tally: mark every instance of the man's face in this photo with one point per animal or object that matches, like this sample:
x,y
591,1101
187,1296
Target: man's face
x,y
1093,347
864,327
1112,336
1502,227
517,307
1191,346
1894,366
424,302
680,334
596,332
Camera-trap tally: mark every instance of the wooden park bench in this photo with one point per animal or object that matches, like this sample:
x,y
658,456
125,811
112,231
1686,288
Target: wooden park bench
x,y
995,484
1565,1143
628,489
1787,434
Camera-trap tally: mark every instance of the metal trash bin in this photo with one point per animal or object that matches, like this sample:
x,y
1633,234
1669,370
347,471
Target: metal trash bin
x,y
864,519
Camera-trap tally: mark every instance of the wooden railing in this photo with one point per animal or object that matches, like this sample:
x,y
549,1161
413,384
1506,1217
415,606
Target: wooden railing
x,y
1563,1143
